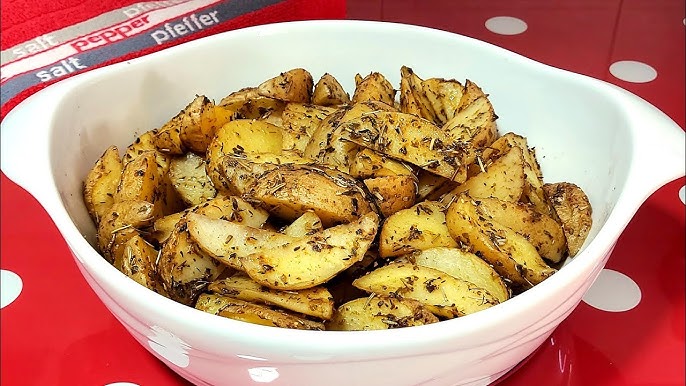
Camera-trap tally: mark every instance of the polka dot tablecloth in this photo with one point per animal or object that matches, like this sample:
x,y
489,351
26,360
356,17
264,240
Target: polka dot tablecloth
x,y
629,329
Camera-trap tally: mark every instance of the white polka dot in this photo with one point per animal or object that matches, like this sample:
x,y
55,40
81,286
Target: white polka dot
x,y
506,25
614,292
122,384
10,287
169,347
263,374
633,71
682,194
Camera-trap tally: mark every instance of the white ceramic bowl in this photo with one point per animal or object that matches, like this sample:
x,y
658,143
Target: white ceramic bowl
x,y
617,147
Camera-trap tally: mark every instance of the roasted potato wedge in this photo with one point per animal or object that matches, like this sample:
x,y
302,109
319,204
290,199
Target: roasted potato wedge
x,y
533,186
315,301
504,179
413,100
299,123
191,129
370,164
312,260
574,211
445,97
229,208
510,253
374,87
289,190
291,86
329,92
542,231
392,193
462,265
305,225
138,261
238,137
327,144
189,178
408,138
442,294
420,227
140,179
120,223
247,103
184,268
232,308
102,180
227,241
380,313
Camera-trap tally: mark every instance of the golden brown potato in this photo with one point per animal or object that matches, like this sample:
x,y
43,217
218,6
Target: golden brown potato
x,y
445,96
462,265
378,312
229,208
413,99
430,187
140,179
419,227
370,164
238,137
542,231
574,211
315,301
191,129
138,261
144,142
326,144
392,192
189,178
101,182
329,92
247,103
411,139
232,308
121,222
289,190
184,268
533,186
291,86
475,124
198,124
226,241
312,260
305,225
504,179
374,87
442,294
299,122
510,254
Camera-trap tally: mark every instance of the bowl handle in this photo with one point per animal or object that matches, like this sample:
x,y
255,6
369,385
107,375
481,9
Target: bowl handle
x,y
659,146
24,138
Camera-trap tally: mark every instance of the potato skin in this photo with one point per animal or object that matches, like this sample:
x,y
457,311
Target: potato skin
x,y
380,312
510,254
102,180
289,190
237,309
329,92
291,86
392,193
574,211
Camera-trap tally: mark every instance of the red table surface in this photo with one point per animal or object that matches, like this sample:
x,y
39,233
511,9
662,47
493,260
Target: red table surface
x,y
58,333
